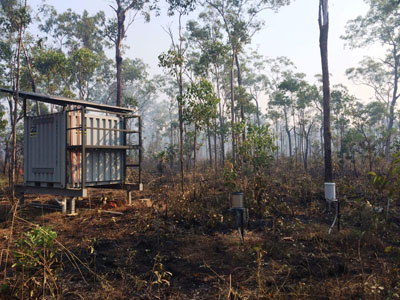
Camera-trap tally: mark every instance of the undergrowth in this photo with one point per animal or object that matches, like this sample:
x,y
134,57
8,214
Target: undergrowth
x,y
185,246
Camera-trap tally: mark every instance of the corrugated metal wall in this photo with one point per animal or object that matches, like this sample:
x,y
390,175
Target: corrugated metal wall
x,y
103,166
45,148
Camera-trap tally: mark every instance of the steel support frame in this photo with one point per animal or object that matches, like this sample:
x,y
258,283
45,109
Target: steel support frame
x,y
138,147
82,192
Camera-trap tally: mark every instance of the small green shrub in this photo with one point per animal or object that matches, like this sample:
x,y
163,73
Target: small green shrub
x,y
37,263
388,184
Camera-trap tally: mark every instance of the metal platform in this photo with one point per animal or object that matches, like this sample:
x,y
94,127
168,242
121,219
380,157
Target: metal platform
x,y
81,193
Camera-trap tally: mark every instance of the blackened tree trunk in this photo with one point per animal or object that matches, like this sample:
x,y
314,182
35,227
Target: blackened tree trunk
x,y
323,22
121,10
121,14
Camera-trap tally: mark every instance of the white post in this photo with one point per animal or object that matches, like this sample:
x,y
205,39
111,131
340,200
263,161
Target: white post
x,y
129,194
72,205
64,205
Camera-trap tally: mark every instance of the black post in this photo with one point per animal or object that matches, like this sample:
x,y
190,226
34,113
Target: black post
x,y
24,106
338,215
140,150
242,224
124,143
83,168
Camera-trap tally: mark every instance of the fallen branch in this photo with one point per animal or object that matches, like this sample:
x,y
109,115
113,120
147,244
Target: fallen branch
x,y
110,212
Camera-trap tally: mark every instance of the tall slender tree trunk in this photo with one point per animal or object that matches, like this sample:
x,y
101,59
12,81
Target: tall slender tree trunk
x,y
288,134
321,138
221,117
7,154
323,21
295,138
118,56
233,105
215,145
257,112
239,78
341,147
396,57
307,139
277,139
180,83
209,145
14,113
194,154
32,77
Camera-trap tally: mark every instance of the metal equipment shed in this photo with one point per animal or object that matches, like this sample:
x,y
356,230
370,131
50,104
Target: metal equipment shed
x,y
83,145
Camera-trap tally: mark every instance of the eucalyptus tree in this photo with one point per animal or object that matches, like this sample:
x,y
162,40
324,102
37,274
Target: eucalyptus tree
x,y
82,64
240,23
14,18
81,39
367,121
51,66
199,110
30,72
206,37
139,89
256,81
275,116
174,62
282,105
7,68
276,70
380,25
341,101
323,22
351,147
168,86
71,31
285,99
158,127
117,28
305,106
104,87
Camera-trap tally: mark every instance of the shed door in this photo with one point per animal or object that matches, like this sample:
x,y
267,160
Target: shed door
x,y
44,147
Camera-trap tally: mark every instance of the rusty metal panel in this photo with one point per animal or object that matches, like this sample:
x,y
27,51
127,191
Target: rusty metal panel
x,y
45,148
103,166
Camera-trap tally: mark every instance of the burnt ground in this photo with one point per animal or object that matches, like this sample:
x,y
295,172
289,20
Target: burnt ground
x,y
140,252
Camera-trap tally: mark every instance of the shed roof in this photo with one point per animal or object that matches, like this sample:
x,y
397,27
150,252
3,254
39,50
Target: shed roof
x,y
57,100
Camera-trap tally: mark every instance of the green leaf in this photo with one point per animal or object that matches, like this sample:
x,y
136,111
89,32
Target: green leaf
x,y
388,249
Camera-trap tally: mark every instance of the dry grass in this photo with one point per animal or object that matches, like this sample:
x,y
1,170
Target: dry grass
x,y
287,253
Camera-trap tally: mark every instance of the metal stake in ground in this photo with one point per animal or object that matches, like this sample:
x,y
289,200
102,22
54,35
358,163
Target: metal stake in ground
x,y
237,207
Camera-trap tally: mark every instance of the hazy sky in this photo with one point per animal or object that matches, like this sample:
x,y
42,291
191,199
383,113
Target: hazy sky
x,y
292,32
